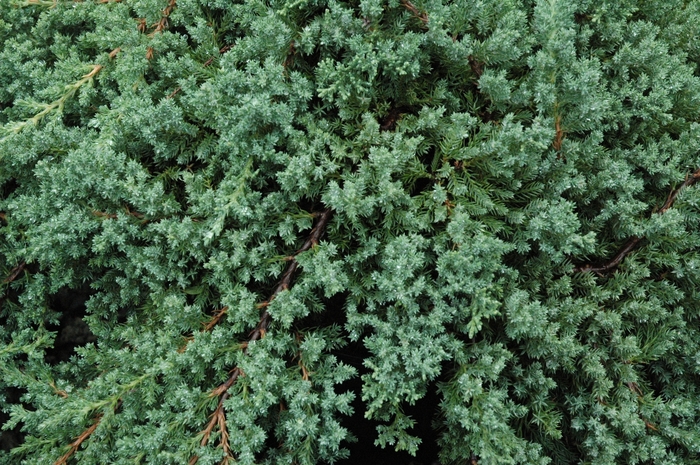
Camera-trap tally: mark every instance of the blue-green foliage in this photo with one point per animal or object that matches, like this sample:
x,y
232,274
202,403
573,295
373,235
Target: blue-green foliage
x,y
483,161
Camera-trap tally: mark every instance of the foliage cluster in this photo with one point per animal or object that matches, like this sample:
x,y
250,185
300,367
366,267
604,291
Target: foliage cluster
x,y
495,198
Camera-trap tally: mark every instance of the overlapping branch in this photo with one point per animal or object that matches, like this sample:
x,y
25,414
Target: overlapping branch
x,y
632,243
218,417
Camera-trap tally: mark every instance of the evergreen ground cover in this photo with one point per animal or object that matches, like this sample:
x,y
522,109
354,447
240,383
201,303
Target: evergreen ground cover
x,y
286,214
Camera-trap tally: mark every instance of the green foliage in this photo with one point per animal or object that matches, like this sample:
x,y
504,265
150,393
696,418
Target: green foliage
x,y
495,198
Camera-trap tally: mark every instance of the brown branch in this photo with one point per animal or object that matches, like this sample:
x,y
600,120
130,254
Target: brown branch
x,y
476,66
3,216
63,460
174,93
142,26
559,134
305,373
224,387
422,15
650,425
218,417
162,24
689,181
58,391
634,387
15,272
114,215
103,214
218,315
289,60
621,254
634,240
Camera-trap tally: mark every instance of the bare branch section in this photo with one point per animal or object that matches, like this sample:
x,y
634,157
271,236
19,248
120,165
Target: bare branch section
x,y
75,445
422,15
218,417
632,243
63,460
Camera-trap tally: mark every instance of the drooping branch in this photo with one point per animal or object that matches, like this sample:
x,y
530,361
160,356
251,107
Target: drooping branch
x,y
632,243
218,417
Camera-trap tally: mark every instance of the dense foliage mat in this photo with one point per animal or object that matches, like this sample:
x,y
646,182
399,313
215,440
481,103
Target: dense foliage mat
x,y
494,200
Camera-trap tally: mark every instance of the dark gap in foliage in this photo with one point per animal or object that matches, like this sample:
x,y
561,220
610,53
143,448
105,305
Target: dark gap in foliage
x,y
6,189
333,314
564,450
306,64
72,119
364,451
421,185
10,439
515,259
182,31
72,331
324,110
423,412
